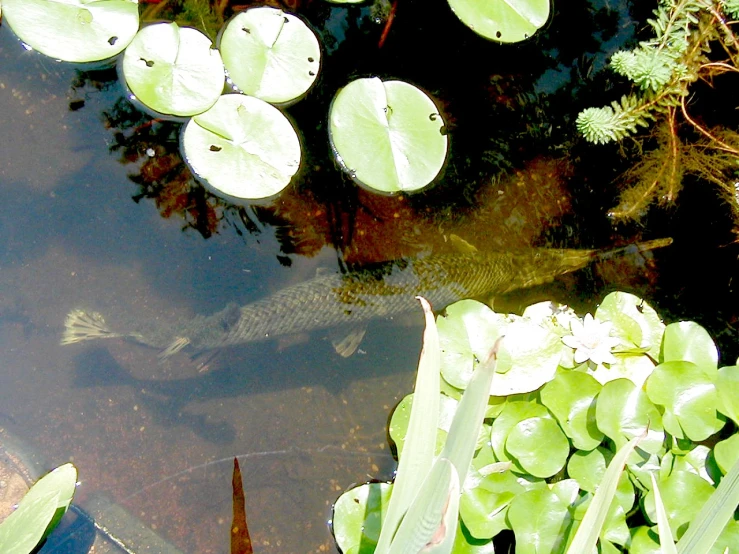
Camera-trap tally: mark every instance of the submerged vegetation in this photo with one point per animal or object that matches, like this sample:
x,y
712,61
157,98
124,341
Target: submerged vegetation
x,y
693,40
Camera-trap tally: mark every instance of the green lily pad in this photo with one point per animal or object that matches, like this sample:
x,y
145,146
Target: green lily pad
x,y
242,147
588,469
689,399
388,135
697,460
687,341
634,321
623,412
74,30
683,494
539,446
502,20
270,54
538,518
528,355
173,70
357,517
727,385
512,414
570,396
727,453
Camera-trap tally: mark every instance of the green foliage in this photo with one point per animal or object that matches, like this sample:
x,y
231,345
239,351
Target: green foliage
x,y
39,512
603,446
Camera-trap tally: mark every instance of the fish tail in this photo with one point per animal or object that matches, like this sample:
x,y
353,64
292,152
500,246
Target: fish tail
x,y
81,325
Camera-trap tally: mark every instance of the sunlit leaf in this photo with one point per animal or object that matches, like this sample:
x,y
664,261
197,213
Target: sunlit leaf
x,y
538,446
387,134
683,494
727,453
688,397
634,321
466,544
570,396
624,411
504,21
589,468
727,385
357,517
538,518
666,540
512,414
173,70
270,54
74,30
687,341
242,148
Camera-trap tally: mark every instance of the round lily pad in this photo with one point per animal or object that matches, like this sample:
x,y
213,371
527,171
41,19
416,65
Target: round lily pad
x,y
74,30
388,135
539,446
242,147
502,20
357,517
173,70
270,54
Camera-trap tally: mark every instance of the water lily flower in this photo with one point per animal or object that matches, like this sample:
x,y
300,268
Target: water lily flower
x,y
591,340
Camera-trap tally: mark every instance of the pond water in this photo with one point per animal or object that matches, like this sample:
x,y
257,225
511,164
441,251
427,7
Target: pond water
x,y
99,213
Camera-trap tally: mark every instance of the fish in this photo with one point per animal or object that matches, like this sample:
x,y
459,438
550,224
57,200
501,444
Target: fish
x,y
348,301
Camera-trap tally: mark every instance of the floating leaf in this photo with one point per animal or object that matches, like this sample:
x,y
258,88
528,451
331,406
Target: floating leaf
x,y
270,54
512,414
570,396
538,446
624,412
589,468
683,494
689,399
689,342
528,357
242,147
727,453
357,517
538,518
634,321
173,70
502,20
74,30
727,385
388,135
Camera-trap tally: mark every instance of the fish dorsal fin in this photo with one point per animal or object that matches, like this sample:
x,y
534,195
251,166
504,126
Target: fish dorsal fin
x,y
346,341
461,245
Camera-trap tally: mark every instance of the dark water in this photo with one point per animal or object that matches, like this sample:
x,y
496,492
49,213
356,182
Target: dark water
x,y
84,225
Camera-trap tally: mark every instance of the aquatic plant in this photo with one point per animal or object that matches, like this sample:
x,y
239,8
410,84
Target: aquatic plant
x,y
74,31
503,21
688,35
637,445
39,512
388,135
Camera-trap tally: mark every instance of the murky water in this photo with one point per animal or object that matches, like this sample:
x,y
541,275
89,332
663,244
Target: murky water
x,y
304,422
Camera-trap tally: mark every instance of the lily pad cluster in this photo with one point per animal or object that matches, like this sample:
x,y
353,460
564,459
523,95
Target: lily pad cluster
x,y
563,405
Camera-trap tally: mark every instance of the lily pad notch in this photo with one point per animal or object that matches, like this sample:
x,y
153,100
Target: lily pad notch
x,y
270,54
388,135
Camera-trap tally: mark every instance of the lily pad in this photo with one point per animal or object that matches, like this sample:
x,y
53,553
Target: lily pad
x,y
388,135
689,400
173,70
688,341
539,446
242,147
683,494
357,517
538,518
727,384
570,396
74,30
270,54
634,321
502,20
